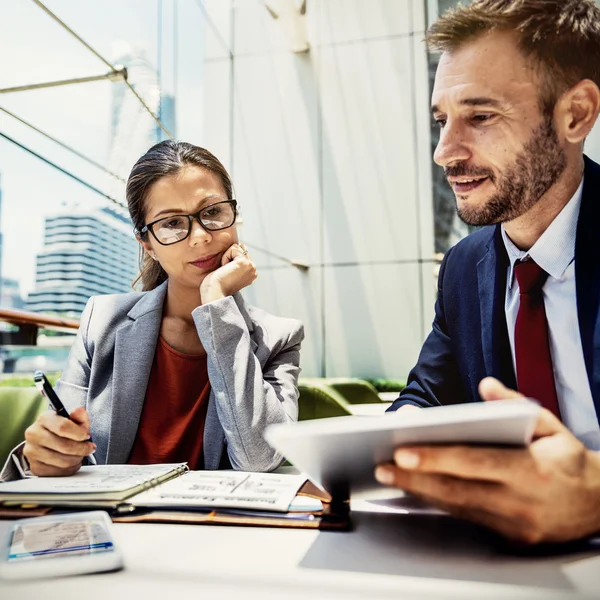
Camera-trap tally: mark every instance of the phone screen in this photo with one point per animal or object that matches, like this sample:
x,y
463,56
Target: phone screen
x,y
33,541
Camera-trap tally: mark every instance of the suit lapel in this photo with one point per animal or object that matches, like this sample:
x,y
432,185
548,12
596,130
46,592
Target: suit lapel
x,y
491,287
135,345
587,277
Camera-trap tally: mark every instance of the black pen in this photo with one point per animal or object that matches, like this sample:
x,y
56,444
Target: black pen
x,y
44,387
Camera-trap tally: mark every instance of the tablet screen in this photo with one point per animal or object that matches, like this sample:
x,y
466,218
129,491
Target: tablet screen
x,y
32,541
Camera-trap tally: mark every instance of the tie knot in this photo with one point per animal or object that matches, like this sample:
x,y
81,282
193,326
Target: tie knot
x,y
530,277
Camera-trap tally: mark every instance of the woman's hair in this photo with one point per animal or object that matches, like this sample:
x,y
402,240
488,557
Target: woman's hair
x,y
163,159
561,37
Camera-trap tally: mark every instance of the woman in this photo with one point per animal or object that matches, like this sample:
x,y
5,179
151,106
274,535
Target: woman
x,y
184,370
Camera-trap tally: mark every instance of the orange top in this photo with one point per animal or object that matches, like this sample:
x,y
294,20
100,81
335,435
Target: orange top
x,y
171,425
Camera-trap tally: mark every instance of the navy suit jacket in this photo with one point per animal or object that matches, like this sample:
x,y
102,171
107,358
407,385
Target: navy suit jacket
x,y
469,339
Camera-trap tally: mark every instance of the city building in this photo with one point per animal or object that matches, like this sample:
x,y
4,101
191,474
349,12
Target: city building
x,y
86,252
1,253
166,114
132,129
10,294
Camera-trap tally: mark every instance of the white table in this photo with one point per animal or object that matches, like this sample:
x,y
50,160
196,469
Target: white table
x,y
394,552
369,410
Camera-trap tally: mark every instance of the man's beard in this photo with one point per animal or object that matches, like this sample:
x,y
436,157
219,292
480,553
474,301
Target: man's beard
x,y
535,170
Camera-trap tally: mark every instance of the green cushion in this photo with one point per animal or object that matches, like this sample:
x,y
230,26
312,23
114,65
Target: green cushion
x,y
355,391
318,401
351,389
384,384
19,408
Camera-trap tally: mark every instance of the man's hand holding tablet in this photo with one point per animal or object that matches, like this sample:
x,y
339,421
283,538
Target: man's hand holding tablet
x,y
343,452
545,492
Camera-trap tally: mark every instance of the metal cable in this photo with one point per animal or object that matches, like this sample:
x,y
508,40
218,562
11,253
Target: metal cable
x,y
106,62
158,121
112,75
62,145
68,173
65,26
214,28
294,263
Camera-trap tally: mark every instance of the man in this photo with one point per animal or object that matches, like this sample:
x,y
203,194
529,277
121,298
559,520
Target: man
x,y
516,93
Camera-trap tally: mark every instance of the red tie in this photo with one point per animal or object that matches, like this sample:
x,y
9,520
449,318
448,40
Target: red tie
x,y
535,377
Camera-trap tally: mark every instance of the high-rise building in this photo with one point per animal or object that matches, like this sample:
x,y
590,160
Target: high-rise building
x,y
166,113
86,252
1,241
10,296
132,129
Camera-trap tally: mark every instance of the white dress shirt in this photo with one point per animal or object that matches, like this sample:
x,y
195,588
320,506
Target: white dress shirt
x,y
554,252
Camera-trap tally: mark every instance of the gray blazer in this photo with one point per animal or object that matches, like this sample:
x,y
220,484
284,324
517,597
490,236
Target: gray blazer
x,y
253,366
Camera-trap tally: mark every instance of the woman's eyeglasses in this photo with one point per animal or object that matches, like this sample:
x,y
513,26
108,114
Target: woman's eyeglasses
x,y
176,228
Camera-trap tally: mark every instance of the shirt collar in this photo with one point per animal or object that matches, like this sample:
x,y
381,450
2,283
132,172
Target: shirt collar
x,y
555,249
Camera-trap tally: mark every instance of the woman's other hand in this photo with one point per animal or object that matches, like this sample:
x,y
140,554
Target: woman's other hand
x,y
55,446
235,273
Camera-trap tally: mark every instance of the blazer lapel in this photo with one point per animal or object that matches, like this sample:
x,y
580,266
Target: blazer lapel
x,y
587,277
135,345
491,285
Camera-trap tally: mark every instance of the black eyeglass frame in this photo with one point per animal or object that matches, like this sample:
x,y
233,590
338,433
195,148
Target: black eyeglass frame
x,y
196,216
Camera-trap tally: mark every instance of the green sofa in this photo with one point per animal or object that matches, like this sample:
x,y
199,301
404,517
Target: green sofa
x,y
354,391
317,401
19,408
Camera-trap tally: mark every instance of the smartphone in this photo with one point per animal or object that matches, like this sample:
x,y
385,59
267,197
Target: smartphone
x,y
59,545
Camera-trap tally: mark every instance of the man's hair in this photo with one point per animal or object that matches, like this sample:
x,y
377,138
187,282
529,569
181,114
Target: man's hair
x,y
561,37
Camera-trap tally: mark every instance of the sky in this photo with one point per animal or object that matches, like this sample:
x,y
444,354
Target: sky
x,y
34,48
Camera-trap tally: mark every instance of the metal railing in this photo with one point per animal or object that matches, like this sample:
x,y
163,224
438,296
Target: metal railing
x,y
28,324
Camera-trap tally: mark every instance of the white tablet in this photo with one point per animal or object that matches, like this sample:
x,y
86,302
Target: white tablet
x,y
341,452
57,545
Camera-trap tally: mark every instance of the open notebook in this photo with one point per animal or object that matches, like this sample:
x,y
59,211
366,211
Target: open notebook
x,y
173,493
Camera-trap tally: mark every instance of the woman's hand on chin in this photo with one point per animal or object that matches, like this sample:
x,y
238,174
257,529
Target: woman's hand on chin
x,y
235,273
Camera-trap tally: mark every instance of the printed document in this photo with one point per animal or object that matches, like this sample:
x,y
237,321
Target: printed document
x,y
225,489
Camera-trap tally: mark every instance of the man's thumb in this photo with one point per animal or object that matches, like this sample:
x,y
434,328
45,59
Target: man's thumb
x,y
492,389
